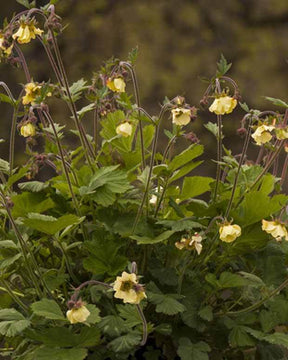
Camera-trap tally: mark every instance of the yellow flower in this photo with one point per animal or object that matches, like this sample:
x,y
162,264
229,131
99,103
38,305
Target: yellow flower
x,y
5,49
32,91
124,129
281,133
262,134
78,314
229,233
126,287
181,116
28,130
276,229
26,32
223,105
116,85
190,243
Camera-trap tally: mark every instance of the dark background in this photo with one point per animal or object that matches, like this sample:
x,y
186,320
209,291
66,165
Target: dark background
x,y
179,42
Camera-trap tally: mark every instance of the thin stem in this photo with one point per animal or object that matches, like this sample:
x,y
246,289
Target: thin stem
x,y
284,171
85,143
260,155
258,304
137,98
23,62
14,296
245,147
154,145
13,126
95,130
144,322
51,122
69,269
25,250
75,295
219,145
170,143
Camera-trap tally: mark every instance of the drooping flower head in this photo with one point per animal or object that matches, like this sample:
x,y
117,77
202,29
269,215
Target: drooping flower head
x,y
229,233
124,129
26,31
28,130
126,287
190,243
223,105
32,91
181,116
262,134
78,313
116,84
276,229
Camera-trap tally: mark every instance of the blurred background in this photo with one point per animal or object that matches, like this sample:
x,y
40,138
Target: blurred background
x,y
179,42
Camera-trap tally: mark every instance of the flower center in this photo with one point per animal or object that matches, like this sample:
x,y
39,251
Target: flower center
x,y
126,285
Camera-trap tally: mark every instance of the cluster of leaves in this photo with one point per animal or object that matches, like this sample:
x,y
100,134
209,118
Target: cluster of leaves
x,y
93,216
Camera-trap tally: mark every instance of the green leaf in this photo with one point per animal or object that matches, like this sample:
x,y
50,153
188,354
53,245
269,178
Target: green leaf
x,y
4,166
186,169
64,337
257,206
48,309
222,66
186,156
30,202
239,337
85,109
105,183
125,342
277,102
147,240
76,90
180,225
192,351
33,186
12,322
133,54
166,303
113,325
47,353
130,314
213,128
275,339
94,317
49,224
206,313
195,186
104,257
7,261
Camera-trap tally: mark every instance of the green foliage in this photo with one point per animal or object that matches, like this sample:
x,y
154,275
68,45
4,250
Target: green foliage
x,y
12,322
193,351
121,230
48,309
